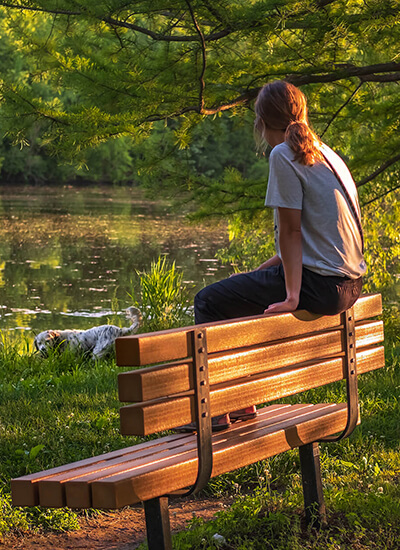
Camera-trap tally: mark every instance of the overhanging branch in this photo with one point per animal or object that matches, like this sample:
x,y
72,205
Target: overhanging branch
x,y
381,195
381,169
341,108
369,72
239,101
162,37
124,24
238,26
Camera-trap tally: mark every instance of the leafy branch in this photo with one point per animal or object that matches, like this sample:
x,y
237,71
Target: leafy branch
x,y
240,25
336,114
381,169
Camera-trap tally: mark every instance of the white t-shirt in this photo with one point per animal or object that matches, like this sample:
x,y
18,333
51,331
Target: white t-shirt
x,y
330,236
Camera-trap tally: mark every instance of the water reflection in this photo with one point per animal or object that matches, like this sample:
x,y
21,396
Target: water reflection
x,y
65,253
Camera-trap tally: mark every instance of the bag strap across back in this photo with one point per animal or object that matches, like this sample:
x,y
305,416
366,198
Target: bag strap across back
x,y
349,200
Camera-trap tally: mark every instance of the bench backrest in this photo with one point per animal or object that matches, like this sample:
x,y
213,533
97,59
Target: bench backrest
x,y
250,360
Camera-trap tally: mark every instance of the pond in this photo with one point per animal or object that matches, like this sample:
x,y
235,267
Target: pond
x,y
67,253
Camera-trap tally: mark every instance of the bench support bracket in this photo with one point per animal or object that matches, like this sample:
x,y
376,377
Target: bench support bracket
x,y
312,484
202,408
202,403
350,371
157,524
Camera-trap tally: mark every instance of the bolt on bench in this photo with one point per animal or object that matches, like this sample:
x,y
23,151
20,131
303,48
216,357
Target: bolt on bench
x,y
205,370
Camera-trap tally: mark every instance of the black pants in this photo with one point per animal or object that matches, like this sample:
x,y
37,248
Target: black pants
x,y
251,293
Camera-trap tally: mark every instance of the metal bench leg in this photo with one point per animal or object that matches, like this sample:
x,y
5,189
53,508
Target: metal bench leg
x,y
312,484
157,524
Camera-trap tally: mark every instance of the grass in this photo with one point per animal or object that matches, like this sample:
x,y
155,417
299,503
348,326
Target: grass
x,y
163,299
63,408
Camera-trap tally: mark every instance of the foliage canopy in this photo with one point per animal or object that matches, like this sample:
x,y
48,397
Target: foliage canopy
x,y
100,69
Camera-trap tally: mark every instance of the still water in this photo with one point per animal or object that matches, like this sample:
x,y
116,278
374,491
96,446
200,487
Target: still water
x,y
65,253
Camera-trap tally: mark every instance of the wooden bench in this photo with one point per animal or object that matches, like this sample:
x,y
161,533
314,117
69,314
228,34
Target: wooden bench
x,y
206,370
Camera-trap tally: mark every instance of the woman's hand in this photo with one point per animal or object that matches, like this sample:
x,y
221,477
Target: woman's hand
x,y
282,307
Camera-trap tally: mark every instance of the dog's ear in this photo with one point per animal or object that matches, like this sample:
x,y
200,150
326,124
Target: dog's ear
x,y
54,337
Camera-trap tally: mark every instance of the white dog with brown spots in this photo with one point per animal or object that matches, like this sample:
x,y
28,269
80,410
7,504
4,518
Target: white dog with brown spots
x,y
98,341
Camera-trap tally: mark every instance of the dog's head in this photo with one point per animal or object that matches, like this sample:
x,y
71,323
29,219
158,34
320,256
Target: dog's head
x,y
48,339
134,315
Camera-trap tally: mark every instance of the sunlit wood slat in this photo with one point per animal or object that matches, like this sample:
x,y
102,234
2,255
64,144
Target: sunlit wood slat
x,y
175,344
153,416
52,490
153,382
25,489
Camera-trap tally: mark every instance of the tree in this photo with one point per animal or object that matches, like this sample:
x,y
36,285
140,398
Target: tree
x,y
127,65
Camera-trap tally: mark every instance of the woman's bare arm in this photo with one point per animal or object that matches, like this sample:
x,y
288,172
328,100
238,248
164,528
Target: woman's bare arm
x,y
290,244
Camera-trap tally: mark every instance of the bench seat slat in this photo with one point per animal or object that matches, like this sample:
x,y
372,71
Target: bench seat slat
x,y
163,414
232,449
25,489
52,491
175,344
153,382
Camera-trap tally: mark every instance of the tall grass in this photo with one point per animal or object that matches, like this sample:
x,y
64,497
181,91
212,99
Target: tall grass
x,y
163,299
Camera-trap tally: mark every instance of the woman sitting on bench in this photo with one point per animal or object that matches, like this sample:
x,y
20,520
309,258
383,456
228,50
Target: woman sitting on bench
x,y
319,261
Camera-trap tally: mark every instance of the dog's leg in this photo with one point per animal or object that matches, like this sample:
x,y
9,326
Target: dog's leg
x,y
101,350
